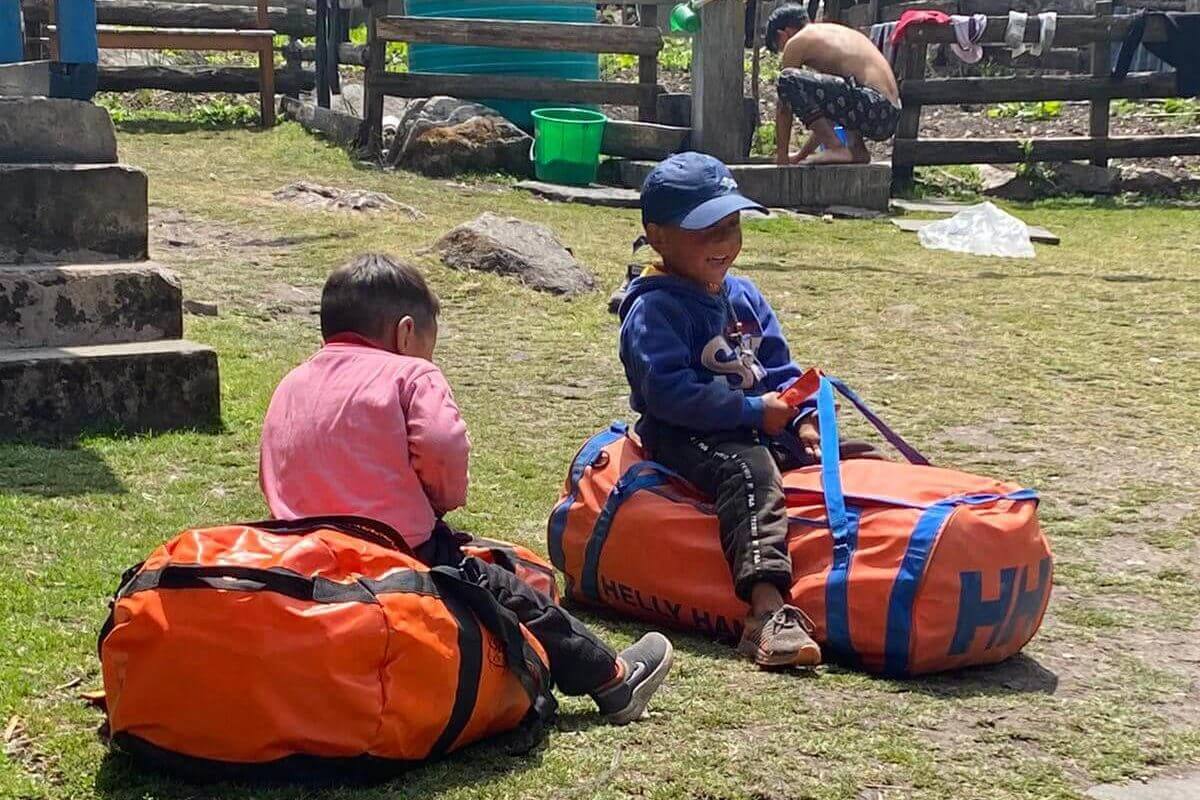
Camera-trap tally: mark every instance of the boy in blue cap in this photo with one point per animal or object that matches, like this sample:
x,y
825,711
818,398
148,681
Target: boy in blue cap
x,y
705,358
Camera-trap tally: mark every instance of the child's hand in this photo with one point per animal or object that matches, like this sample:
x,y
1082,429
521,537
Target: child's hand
x,y
776,414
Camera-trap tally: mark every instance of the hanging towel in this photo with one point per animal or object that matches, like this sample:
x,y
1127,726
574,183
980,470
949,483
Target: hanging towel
x,y
968,31
917,18
1181,49
881,37
1046,39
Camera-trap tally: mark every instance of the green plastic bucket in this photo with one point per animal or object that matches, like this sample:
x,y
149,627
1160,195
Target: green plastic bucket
x,y
566,145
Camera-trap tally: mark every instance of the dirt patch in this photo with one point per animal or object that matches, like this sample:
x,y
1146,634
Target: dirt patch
x,y
229,263
314,196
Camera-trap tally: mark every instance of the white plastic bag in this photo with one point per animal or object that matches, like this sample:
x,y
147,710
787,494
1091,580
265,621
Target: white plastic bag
x,y
981,230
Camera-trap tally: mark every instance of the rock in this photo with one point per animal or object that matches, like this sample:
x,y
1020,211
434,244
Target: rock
x,y
72,212
56,392
1149,181
508,246
330,198
45,130
200,308
443,136
65,305
1007,185
1072,178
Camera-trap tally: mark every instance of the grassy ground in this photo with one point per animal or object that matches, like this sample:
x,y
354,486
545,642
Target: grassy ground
x,y
1077,374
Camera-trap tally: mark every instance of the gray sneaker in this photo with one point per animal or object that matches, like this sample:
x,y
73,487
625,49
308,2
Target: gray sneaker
x,y
647,662
781,639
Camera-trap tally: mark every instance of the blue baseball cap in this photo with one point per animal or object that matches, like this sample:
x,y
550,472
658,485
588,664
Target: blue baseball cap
x,y
692,191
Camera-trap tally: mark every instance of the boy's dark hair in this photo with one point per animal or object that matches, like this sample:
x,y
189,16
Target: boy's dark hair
x,y
791,15
370,293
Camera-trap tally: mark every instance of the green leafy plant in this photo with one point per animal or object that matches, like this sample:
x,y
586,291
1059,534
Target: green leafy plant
x,y
764,140
1035,112
218,113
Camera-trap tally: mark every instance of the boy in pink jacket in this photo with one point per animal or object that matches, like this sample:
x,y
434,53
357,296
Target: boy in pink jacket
x,y
368,426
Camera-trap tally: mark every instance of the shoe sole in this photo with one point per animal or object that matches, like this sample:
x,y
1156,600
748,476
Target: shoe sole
x,y
644,691
807,656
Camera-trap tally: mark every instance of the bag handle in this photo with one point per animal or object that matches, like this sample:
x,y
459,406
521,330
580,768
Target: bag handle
x,y
831,477
464,583
364,528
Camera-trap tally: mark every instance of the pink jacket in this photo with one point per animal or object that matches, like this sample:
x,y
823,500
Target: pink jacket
x,y
359,430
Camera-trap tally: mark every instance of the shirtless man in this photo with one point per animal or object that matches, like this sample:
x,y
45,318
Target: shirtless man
x,y
845,81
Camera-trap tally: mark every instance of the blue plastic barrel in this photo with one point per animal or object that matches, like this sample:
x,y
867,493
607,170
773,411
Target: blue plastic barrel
x,y
438,58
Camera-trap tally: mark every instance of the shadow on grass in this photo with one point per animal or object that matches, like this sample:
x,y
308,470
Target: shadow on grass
x,y
1020,674
120,777
48,471
181,125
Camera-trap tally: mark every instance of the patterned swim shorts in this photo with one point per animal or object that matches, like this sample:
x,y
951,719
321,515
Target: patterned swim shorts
x,y
843,101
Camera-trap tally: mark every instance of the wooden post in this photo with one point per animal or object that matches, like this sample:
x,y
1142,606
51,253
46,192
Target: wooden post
x,y
912,65
718,73
266,71
376,65
333,19
648,65
1101,56
322,54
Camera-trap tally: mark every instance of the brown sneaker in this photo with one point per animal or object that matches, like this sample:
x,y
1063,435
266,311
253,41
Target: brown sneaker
x,y
781,639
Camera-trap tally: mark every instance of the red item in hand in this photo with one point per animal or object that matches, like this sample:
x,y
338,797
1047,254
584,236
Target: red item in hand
x,y
802,388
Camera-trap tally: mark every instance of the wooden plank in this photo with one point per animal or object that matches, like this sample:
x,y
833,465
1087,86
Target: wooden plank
x,y
1036,232
236,80
1099,110
149,13
1071,31
643,140
718,74
180,39
514,87
1013,151
558,36
648,64
1030,88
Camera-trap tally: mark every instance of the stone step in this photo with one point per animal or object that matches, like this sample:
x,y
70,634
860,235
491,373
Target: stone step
x,y
56,393
72,212
40,130
857,185
58,305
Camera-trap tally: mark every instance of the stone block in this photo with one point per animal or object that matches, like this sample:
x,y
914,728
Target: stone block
x,y
860,185
48,305
72,212
57,393
49,130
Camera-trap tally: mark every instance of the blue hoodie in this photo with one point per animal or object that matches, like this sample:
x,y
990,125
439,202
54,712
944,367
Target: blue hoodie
x,y
686,362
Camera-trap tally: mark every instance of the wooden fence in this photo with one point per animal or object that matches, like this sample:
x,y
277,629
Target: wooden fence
x,y
644,41
185,25
1097,33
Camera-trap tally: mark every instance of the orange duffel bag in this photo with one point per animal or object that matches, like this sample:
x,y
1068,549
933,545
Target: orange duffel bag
x,y
904,568
310,648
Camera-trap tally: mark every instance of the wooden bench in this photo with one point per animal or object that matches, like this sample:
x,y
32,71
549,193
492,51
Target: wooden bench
x,y
258,40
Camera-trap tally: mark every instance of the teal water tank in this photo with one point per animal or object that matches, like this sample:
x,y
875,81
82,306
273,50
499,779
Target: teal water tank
x,y
438,58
